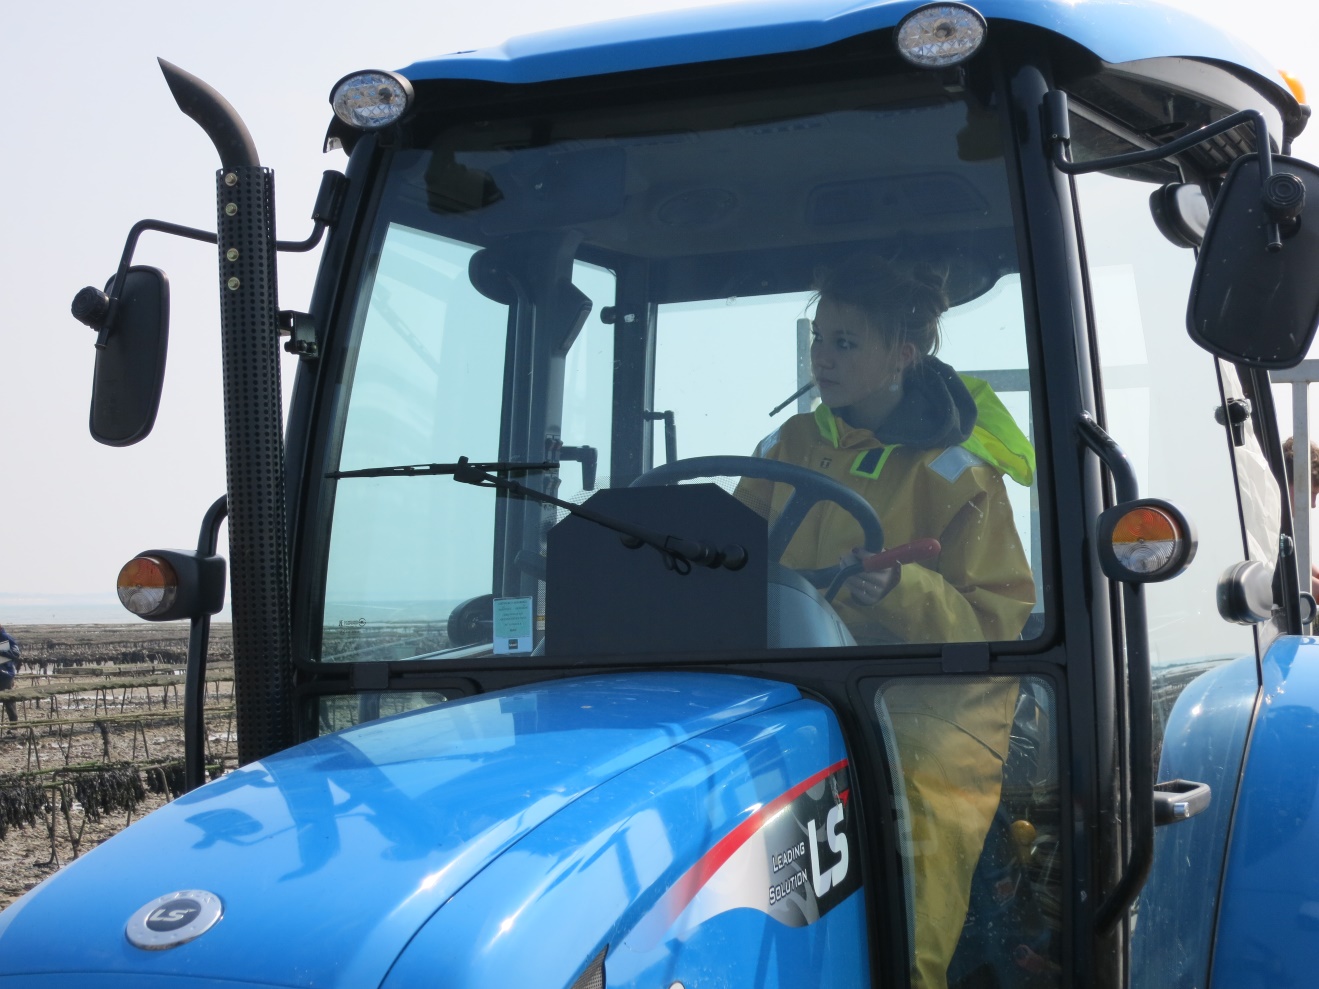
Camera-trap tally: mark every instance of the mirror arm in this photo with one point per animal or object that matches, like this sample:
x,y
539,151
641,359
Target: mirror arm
x,y
299,246
324,212
1059,137
101,311
98,310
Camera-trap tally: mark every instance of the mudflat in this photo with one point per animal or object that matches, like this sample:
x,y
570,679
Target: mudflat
x,y
98,737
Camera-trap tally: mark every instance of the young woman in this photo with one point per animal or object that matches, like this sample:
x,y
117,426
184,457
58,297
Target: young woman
x,y
928,449
923,445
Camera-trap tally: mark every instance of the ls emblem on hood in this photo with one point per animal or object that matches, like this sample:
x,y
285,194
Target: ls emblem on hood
x,y
174,919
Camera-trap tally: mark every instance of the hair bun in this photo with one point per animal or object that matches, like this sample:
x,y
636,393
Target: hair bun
x,y
934,278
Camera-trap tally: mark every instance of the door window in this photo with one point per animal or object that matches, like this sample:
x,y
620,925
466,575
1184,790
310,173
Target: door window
x,y
974,765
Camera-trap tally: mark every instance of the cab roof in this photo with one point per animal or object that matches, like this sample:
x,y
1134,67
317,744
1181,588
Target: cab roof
x,y
1114,30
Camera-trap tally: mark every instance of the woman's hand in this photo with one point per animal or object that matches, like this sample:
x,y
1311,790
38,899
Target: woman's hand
x,y
872,586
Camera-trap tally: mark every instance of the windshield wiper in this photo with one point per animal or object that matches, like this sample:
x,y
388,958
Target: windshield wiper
x,y
420,470
679,553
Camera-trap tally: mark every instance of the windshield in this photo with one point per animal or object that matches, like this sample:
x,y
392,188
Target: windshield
x,y
677,317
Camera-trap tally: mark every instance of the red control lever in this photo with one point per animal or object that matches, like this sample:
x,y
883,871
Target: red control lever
x,y
912,552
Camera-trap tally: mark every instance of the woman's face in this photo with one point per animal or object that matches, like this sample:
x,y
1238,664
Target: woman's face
x,y
851,362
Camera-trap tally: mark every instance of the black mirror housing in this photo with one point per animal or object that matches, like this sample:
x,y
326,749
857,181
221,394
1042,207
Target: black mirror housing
x,y
1181,213
130,365
1248,304
1245,593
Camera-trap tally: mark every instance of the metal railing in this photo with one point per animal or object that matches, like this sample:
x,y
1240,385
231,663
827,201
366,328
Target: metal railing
x,y
1300,378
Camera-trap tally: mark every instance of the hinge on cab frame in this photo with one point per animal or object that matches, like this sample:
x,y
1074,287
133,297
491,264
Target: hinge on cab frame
x,y
301,331
966,657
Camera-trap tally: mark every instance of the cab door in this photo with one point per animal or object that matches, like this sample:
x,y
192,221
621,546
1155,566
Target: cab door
x,y
1169,405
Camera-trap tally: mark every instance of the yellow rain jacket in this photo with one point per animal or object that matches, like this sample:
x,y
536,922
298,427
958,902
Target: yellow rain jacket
x,y
979,587
930,475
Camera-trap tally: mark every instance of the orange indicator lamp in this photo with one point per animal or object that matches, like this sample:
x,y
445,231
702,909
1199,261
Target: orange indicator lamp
x,y
1144,541
147,586
167,584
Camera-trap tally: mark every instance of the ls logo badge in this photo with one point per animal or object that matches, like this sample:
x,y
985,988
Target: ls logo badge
x,y
808,865
824,880
174,919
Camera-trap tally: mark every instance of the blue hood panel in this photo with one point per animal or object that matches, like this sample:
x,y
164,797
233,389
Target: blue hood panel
x,y
368,831
1115,30
670,870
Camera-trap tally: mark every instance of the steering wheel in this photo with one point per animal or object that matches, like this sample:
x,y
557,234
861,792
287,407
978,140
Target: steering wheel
x,y
809,487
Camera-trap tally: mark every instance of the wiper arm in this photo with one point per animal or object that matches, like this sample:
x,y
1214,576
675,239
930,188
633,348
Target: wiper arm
x,y
679,553
792,398
419,470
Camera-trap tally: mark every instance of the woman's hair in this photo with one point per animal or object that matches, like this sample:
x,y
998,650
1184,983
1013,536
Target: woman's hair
x,y
902,302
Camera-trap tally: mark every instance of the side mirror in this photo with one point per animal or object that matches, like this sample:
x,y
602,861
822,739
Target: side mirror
x,y
130,356
1249,304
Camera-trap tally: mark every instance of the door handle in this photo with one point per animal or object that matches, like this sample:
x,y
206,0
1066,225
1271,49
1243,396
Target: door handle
x,y
1178,800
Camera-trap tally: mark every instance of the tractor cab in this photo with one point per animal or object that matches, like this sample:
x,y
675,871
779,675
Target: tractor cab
x,y
584,324
602,569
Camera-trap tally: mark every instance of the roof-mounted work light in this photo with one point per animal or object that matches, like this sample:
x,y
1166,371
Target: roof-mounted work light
x,y
371,100
940,34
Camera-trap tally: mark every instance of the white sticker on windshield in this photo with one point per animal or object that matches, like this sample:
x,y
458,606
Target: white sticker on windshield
x,y
513,622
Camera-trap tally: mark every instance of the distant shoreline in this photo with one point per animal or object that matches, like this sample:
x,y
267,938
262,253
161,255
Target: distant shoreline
x,y
182,624
69,609
42,613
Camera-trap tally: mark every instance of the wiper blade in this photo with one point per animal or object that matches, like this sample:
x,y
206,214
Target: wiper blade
x,y
420,470
679,553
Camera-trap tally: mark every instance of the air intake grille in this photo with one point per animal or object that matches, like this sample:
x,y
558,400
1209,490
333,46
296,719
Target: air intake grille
x,y
594,976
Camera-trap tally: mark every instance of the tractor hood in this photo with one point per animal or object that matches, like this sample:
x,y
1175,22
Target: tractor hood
x,y
326,860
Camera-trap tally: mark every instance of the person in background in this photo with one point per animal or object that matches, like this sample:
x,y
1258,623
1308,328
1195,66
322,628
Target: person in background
x,y
1289,457
9,655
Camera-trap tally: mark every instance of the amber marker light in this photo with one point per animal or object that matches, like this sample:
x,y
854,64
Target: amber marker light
x,y
1146,540
147,586
1294,84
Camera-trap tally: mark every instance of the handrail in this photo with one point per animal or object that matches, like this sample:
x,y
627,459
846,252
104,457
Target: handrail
x,y
1140,705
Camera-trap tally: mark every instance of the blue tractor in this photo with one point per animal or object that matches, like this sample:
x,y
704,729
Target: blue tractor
x,y
634,599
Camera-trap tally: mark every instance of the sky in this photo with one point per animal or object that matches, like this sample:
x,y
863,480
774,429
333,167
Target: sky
x,y
96,143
